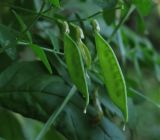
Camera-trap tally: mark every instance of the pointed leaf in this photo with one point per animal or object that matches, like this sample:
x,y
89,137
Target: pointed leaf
x,y
8,41
55,2
23,25
10,126
54,40
144,6
41,54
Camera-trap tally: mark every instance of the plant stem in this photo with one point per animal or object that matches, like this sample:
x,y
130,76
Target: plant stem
x,y
45,49
55,114
41,14
28,10
86,18
36,18
123,19
91,16
144,97
50,50
33,12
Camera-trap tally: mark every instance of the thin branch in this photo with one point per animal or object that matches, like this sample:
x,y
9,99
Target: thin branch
x,y
41,14
19,8
36,18
27,10
53,117
47,10
33,12
45,49
86,18
144,97
123,19
93,15
50,50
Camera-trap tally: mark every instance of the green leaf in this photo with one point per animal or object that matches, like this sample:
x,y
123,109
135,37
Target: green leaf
x,y
6,61
26,88
75,66
113,77
140,23
41,54
10,126
55,2
59,65
8,41
54,135
156,60
54,40
23,26
32,127
138,69
144,6
109,15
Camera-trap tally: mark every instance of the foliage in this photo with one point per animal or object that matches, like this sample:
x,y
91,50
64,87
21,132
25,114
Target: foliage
x,y
47,47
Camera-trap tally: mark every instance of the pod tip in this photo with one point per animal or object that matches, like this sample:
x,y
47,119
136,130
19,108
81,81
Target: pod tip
x,y
124,127
85,111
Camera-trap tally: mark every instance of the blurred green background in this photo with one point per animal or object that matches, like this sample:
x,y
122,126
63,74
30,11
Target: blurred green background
x,y
136,44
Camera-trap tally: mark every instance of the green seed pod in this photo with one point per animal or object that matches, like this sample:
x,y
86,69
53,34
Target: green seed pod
x,y
82,47
76,67
111,71
85,53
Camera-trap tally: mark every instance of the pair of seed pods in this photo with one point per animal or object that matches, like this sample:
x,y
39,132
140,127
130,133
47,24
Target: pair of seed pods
x,y
76,51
